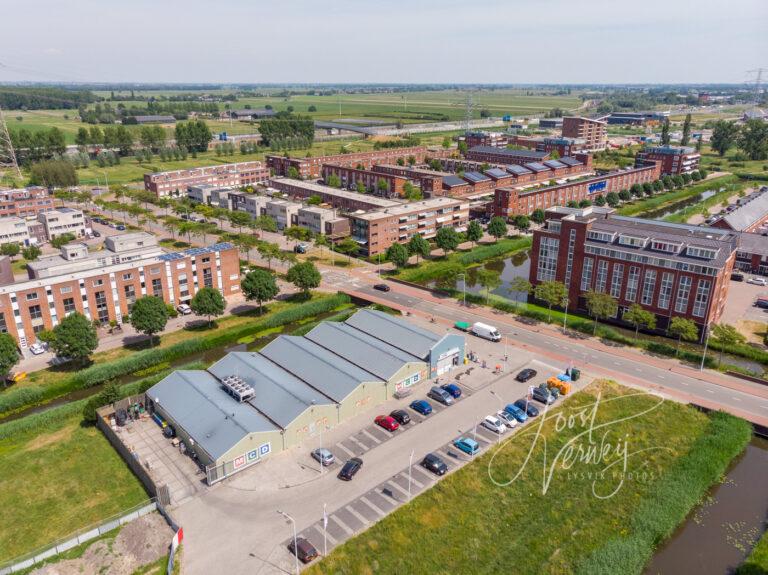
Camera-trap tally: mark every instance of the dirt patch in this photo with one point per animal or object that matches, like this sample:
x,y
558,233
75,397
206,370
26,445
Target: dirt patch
x,y
50,438
138,543
752,330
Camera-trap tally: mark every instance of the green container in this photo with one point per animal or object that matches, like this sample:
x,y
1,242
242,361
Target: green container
x,y
462,325
575,374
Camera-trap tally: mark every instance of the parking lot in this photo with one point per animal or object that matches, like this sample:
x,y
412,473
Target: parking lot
x,y
740,306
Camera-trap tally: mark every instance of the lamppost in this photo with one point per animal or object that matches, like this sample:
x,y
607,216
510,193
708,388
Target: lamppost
x,y
295,538
501,402
706,344
463,288
410,465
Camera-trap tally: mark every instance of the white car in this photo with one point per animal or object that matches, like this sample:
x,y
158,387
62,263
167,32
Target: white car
x,y
758,281
494,424
183,309
507,419
38,347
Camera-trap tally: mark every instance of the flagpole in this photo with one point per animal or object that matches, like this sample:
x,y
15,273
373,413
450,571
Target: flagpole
x,y
325,530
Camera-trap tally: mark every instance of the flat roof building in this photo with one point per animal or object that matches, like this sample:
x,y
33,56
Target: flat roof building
x,y
25,202
593,132
175,183
505,156
339,199
59,221
673,159
750,215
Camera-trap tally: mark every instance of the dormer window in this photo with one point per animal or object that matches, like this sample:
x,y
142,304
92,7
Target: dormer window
x,y
666,247
600,236
703,253
632,241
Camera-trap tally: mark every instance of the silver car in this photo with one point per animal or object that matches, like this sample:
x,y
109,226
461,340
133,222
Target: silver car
x,y
440,395
323,456
507,419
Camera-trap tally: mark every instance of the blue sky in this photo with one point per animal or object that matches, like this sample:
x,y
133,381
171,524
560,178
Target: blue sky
x,y
418,41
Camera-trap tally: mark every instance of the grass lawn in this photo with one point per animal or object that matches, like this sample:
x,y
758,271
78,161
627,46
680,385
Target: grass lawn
x,y
757,562
639,207
58,480
469,523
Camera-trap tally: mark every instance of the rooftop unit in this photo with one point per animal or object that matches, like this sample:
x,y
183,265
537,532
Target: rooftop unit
x,y
236,386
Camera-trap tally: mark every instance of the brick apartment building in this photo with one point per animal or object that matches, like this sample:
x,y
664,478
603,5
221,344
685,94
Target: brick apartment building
x,y
674,160
593,132
323,221
104,284
371,179
563,146
175,183
671,270
375,231
311,168
511,201
491,154
429,181
25,202
339,199
528,173
480,138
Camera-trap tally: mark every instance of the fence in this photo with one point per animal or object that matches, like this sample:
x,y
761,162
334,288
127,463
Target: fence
x,y
86,534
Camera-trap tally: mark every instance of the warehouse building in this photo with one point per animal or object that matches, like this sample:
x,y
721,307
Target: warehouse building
x,y
248,405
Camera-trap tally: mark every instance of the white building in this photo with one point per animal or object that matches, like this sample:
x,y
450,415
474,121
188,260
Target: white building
x,y
61,221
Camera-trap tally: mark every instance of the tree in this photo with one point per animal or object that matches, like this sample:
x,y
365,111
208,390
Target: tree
x,y
726,335
600,200
149,315
447,142
552,293
625,195
269,252
612,198
447,239
298,233
463,148
312,108
9,355
724,136
683,329
31,253
360,187
601,306
53,174
665,132
293,173
753,139
239,219
398,255
636,190
686,137
520,285
348,247
538,216
497,227
75,337
81,139
208,302
304,276
411,192
521,222
382,186
648,188
490,280
62,239
639,317
474,231
418,246
334,181
11,250
259,285
245,244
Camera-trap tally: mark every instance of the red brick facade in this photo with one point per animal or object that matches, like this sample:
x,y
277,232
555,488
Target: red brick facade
x,y
311,168
25,203
594,132
673,160
175,183
349,178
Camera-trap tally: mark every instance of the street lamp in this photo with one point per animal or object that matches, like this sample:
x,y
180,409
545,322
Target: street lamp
x,y
501,402
295,539
463,288
706,344
410,465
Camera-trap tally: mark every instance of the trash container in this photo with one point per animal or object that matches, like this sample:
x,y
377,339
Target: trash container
x,y
575,374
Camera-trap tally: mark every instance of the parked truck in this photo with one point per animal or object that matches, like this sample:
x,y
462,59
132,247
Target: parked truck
x,y
485,331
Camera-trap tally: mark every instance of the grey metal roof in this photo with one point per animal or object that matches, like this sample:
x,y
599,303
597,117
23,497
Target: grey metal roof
x,y
206,412
753,244
748,213
518,170
569,161
395,331
454,181
533,154
378,357
475,177
325,371
280,396
497,173
536,167
554,164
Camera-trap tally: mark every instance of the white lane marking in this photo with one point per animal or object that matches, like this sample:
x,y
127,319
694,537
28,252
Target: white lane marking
x,y
683,383
709,391
662,377
735,398
372,506
616,363
356,514
341,524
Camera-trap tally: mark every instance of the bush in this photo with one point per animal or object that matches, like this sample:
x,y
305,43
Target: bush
x,y
673,497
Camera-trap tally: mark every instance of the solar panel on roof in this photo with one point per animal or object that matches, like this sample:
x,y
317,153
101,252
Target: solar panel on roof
x,y
518,170
536,167
554,164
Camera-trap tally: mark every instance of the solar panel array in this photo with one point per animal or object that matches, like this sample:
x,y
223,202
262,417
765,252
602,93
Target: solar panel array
x,y
192,252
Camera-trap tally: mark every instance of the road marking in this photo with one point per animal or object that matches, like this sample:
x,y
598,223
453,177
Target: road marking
x,y
393,484
353,439
735,398
372,506
616,363
341,446
415,481
681,382
369,434
356,514
709,391
662,377
331,539
343,525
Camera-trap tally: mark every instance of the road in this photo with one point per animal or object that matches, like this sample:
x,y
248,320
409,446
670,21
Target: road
x,y
707,388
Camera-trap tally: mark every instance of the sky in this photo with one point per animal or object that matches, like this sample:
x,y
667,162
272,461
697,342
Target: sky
x,y
384,41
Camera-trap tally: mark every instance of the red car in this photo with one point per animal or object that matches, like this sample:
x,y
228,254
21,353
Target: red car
x,y
386,422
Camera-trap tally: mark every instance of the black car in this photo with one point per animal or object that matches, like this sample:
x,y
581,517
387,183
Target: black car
x,y
350,469
434,463
401,416
737,277
304,550
381,287
525,375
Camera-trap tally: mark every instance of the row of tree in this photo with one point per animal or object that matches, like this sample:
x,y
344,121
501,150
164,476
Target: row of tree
x,y
751,138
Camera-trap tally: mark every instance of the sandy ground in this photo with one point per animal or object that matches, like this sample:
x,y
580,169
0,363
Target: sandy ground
x,y
140,542
698,219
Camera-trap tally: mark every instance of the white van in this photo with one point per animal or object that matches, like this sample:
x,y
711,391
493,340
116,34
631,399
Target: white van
x,y
485,331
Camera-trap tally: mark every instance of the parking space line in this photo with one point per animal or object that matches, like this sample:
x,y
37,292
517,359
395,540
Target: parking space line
x,y
423,476
354,440
344,448
376,439
341,524
356,514
415,481
393,484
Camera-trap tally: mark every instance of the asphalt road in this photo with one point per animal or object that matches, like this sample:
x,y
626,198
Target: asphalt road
x,y
755,406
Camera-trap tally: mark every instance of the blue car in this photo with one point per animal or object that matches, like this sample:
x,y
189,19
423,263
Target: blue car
x,y
453,389
529,409
467,445
421,406
516,412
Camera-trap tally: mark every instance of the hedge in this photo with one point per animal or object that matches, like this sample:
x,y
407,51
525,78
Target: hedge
x,y
97,374
674,495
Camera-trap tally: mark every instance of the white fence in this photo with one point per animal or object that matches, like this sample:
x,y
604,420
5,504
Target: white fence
x,y
81,536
